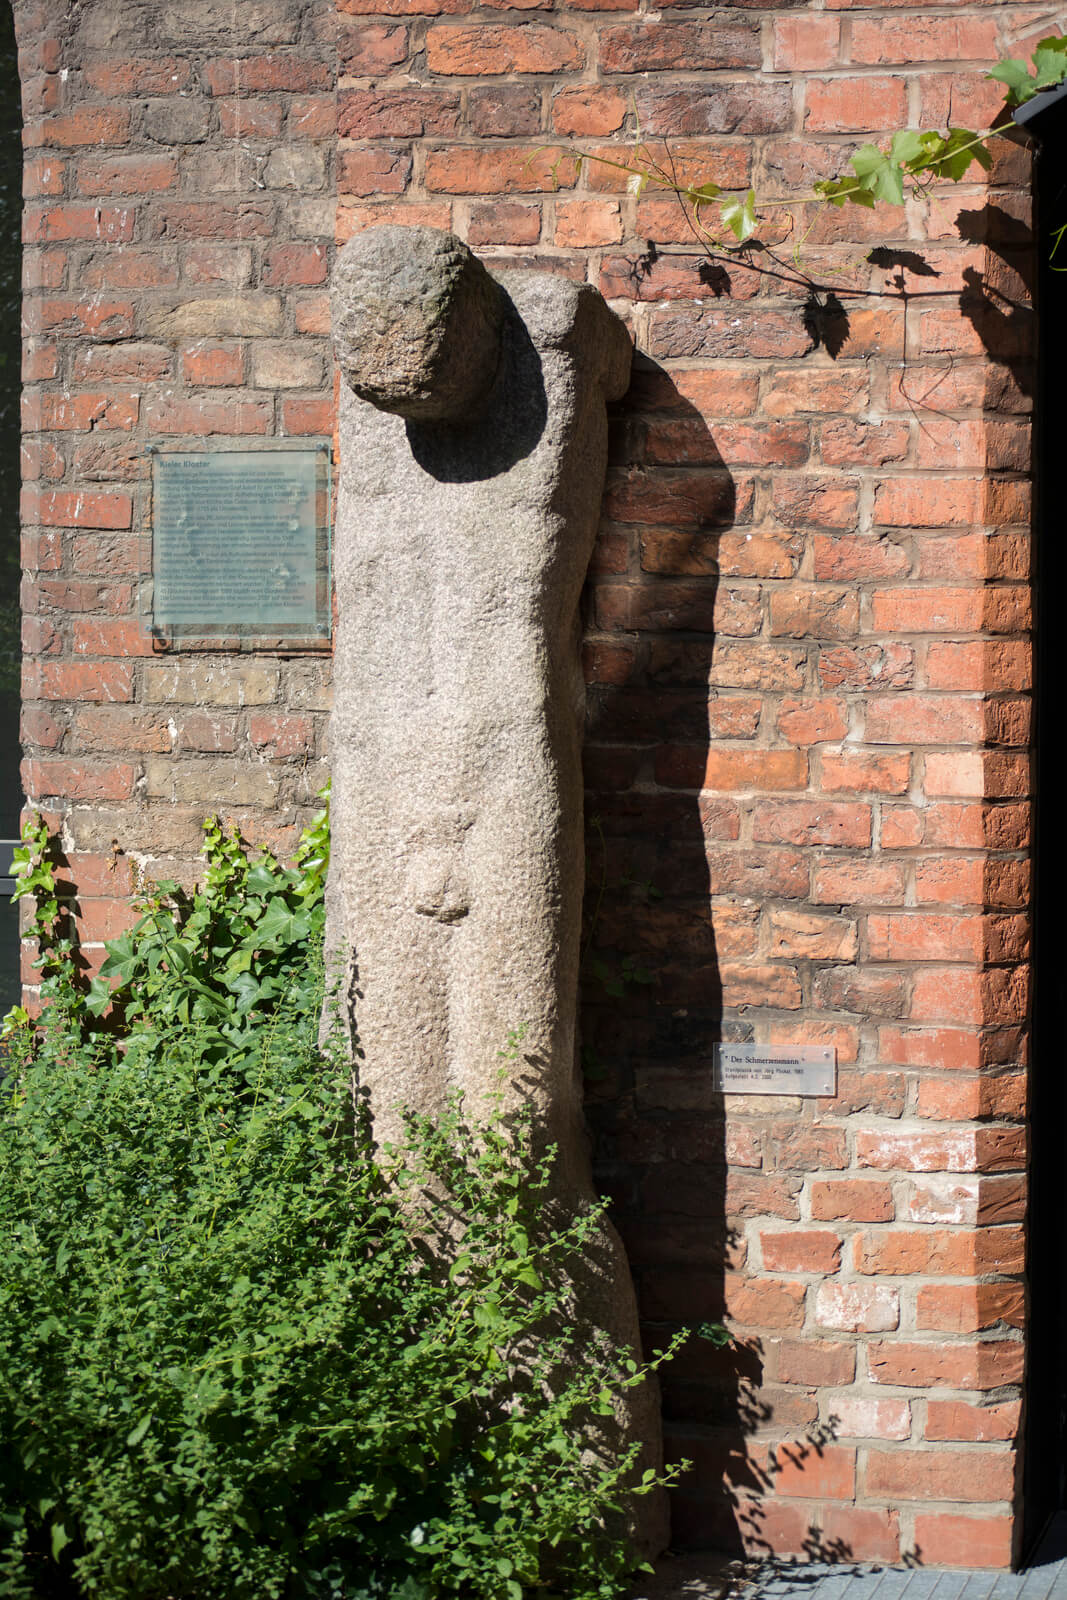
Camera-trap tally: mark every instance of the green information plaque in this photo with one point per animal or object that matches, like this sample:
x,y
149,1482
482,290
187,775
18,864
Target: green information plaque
x,y
240,542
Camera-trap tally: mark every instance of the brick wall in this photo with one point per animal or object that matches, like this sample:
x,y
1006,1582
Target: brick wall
x,y
807,641
179,230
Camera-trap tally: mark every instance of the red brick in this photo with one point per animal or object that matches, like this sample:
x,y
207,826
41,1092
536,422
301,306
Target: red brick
x,y
140,75
71,508
677,500
251,119
939,1252
99,920
504,223
848,443
786,393
402,8
79,412
861,1417
924,719
928,502
816,1364
282,736
307,416
210,219
312,116
461,169
40,728
960,1541
973,1475
956,1419
799,1251
979,665
728,106
828,1473
740,331
129,269
809,822
981,1364
43,175
968,1308
888,40
886,666
588,111
371,48
211,364
962,1150
851,1200
864,772
761,1303
118,175
39,362
175,415
93,637
823,612
87,125
857,1307
400,113
78,780
867,1535
807,722
47,225
374,171
685,46
805,42
256,74
731,769
407,214
970,556
858,559
803,935
484,50
582,224
860,105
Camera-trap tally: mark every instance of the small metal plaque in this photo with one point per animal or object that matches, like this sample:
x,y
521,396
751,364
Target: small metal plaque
x,y
240,541
757,1069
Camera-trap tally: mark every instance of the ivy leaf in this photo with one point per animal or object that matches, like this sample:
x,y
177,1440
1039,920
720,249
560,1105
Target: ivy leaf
x,y
907,146
960,151
121,960
879,174
60,1540
99,997
740,216
1016,75
138,1433
1050,63
262,879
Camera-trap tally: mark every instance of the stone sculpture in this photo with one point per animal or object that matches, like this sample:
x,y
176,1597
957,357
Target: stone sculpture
x,y
473,448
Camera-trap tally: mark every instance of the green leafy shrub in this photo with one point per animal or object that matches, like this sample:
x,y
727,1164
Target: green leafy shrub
x,y
243,1353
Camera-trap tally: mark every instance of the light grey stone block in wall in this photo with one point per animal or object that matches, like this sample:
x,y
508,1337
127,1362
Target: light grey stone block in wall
x,y
473,450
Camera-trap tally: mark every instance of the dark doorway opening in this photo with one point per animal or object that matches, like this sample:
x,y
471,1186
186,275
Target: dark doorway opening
x,y
10,563
1045,1463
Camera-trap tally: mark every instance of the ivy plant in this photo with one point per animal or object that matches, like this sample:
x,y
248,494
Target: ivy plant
x,y
909,164
245,1354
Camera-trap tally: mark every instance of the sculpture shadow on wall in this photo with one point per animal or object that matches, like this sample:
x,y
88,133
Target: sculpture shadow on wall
x,y
652,999
997,302
505,431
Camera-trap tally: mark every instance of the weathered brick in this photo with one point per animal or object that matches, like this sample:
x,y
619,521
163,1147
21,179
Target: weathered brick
x,y
481,51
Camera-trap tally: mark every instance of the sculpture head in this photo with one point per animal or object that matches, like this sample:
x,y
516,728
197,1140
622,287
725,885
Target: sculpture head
x,y
416,323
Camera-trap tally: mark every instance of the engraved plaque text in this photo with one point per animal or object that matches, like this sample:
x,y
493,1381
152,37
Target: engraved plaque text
x,y
757,1069
236,539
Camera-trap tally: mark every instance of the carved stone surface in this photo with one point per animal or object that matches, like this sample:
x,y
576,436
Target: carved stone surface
x,y
469,500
